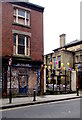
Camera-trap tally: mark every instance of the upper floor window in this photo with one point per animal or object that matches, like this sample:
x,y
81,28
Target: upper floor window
x,y
80,57
54,62
49,60
21,45
22,16
59,61
77,58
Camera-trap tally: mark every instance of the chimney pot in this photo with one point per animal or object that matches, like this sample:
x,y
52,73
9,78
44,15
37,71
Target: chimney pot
x,y
62,40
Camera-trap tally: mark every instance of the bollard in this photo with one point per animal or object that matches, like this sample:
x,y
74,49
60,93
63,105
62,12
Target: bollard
x,y
10,96
34,93
77,91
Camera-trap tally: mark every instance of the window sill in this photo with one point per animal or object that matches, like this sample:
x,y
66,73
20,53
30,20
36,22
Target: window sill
x,y
14,23
22,56
77,62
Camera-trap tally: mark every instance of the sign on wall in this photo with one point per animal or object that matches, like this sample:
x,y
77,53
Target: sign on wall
x,y
10,61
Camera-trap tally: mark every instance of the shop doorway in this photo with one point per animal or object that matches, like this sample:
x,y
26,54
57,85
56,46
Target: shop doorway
x,y
23,84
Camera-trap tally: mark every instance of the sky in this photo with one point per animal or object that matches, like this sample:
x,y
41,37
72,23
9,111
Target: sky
x,y
60,16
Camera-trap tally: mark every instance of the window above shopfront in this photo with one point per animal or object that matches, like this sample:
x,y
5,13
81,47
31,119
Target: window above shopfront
x,y
77,58
54,62
21,16
80,57
21,45
59,61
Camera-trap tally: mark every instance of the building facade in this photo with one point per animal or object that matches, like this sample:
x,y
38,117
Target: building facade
x,y
22,43
66,62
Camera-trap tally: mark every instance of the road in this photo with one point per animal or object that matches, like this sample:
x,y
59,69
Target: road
x,y
63,109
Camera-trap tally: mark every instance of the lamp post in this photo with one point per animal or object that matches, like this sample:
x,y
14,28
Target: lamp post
x,y
10,94
77,88
65,80
65,76
60,72
52,75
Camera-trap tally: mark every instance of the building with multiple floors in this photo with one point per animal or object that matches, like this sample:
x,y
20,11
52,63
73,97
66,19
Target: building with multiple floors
x,y
64,62
22,48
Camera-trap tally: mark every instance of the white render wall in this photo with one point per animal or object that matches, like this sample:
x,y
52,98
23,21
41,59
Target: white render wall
x,y
73,81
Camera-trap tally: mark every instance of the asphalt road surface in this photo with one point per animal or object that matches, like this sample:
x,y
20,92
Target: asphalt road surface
x,y
63,109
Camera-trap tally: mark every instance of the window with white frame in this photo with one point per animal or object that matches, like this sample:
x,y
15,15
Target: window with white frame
x,y
14,46
77,58
80,57
22,16
49,60
59,61
54,62
21,45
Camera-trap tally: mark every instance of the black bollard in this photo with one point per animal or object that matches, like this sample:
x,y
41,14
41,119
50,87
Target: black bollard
x,y
77,91
34,93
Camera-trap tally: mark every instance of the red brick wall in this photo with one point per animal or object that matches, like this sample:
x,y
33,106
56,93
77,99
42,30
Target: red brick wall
x,y
36,32
37,35
7,29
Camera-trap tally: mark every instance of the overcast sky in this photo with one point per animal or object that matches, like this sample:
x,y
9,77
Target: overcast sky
x,y
60,16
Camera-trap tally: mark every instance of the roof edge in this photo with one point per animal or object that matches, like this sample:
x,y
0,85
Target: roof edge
x,y
70,45
28,3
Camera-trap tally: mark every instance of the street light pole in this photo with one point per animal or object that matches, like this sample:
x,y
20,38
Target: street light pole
x,y
59,80
10,94
70,80
10,99
52,74
65,80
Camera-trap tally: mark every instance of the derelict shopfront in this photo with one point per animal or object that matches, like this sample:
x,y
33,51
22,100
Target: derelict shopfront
x,y
25,76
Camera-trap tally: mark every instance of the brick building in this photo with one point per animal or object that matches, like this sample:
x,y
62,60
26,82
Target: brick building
x,y
22,41
68,57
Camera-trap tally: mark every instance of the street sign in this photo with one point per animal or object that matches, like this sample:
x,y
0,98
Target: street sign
x,y
10,61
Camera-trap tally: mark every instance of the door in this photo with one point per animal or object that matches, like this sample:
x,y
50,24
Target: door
x,y
23,84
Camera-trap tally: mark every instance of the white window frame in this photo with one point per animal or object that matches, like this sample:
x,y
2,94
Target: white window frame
x,y
77,58
25,38
54,62
25,17
58,61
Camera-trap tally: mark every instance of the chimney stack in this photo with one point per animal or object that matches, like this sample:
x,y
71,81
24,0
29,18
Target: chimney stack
x,y
62,40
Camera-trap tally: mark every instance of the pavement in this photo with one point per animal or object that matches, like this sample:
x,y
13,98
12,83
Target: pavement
x,y
23,101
